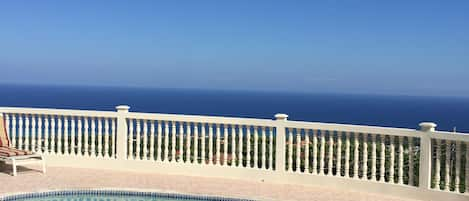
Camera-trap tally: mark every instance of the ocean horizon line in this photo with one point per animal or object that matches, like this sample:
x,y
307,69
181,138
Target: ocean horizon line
x,y
231,90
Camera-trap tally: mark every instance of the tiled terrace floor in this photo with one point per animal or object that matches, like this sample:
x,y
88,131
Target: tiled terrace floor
x,y
72,178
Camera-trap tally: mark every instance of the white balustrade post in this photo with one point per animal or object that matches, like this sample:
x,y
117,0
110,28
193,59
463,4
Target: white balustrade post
x,y
425,154
121,134
280,142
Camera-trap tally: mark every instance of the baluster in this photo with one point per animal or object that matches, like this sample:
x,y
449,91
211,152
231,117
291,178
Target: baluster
x,y
458,147
100,136
365,156
33,133
347,154
145,140
248,146
306,151
467,168
256,148
240,146
202,143
391,159
382,159
271,150
106,137
315,151
20,132
39,134
66,133
233,144
87,137
72,135
400,178
27,132
225,144
181,141
298,151
322,152
290,150
373,157
152,140
210,144
173,141
13,131
52,134
59,135
447,164
188,142
46,134
437,164
411,160
196,143
330,156
263,148
93,137
138,133
166,141
80,136
355,155
159,133
339,154
113,137
217,145
131,140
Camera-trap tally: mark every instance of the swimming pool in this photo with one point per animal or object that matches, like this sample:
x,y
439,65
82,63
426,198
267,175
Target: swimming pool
x,y
111,195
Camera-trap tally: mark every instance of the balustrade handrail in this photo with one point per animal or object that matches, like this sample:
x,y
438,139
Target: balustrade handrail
x,y
354,128
201,119
64,112
445,135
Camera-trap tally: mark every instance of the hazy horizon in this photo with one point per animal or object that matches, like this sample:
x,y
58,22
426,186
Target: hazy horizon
x,y
352,93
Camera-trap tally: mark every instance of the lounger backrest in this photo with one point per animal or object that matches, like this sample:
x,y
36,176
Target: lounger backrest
x,y
4,141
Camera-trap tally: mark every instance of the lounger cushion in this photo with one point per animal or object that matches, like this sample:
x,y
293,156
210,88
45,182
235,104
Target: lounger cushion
x,y
9,152
4,141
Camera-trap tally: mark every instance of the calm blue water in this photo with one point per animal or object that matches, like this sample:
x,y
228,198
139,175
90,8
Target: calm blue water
x,y
395,111
103,198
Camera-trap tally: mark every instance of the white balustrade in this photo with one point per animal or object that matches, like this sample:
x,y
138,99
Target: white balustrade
x,y
362,153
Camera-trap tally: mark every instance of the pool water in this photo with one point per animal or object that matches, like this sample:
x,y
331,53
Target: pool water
x,y
102,198
97,195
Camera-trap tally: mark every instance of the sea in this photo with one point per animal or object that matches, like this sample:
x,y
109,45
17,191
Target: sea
x,y
450,113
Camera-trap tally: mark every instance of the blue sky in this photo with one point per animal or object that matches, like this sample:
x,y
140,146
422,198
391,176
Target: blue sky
x,y
392,47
